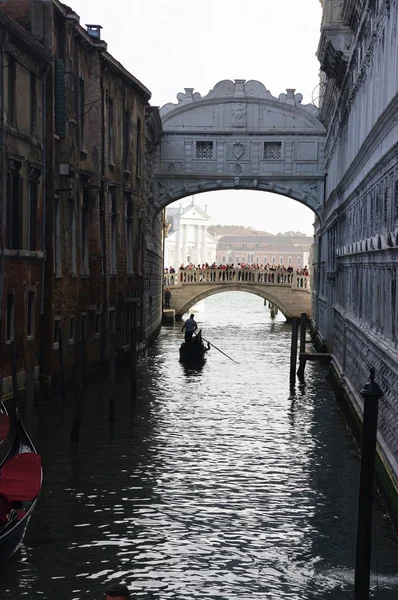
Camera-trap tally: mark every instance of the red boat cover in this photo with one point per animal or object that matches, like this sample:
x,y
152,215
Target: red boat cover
x,y
20,477
4,426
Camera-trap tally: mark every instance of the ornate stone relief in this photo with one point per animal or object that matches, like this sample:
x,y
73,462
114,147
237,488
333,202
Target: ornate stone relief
x,y
238,150
239,115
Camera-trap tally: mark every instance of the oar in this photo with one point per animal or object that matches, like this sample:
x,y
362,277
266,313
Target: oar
x,y
211,344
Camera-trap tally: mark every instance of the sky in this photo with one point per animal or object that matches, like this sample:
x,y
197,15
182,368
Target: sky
x,y
171,45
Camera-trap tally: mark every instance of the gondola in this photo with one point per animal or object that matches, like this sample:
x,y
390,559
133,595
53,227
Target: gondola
x,y
4,422
20,484
194,351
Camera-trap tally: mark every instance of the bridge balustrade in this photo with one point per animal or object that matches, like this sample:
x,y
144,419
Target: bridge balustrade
x,y
265,277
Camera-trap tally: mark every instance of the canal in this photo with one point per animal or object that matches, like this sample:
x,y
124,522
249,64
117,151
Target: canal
x,y
215,483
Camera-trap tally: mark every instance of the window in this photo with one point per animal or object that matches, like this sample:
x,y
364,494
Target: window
x,y
257,259
85,230
129,233
72,236
237,259
57,325
223,259
289,260
110,130
97,324
204,150
83,326
14,210
33,105
10,318
298,260
273,260
57,238
138,148
265,260
112,321
33,213
126,323
12,92
126,139
82,111
272,150
30,314
281,260
72,327
112,229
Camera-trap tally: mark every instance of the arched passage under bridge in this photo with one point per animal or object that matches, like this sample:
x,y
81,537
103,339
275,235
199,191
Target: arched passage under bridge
x,y
288,292
239,136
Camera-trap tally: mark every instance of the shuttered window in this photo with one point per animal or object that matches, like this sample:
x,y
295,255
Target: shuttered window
x,y
59,83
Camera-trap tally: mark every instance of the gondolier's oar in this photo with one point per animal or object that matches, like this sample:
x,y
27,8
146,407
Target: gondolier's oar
x,y
211,344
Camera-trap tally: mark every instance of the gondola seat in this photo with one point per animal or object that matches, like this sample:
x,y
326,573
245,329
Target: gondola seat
x,y
20,477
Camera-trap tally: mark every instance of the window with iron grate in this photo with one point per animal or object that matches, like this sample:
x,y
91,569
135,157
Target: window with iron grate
x,y
272,150
204,149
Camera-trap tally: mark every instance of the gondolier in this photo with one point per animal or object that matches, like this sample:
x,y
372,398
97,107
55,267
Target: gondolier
x,y
189,326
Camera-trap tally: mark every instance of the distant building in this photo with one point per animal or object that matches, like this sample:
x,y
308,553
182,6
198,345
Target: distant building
x,y
267,249
188,240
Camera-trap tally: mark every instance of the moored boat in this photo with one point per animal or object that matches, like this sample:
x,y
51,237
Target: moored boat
x,y
20,484
195,350
4,422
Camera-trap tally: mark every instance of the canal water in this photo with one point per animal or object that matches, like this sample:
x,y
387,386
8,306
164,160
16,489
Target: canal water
x,y
214,483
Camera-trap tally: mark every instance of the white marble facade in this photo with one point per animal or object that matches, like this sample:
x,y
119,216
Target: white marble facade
x,y
188,240
356,245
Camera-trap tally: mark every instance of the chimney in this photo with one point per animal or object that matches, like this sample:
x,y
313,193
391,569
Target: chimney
x,y
94,31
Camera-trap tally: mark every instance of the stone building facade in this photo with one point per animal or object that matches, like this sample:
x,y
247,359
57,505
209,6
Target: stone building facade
x,y
356,246
24,65
100,270
264,249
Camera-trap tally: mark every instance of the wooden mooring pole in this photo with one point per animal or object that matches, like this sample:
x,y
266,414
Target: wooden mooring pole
x,y
78,396
293,351
112,367
14,375
133,344
61,351
303,326
371,395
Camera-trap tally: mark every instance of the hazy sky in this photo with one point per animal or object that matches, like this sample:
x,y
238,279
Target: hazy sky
x,y
196,43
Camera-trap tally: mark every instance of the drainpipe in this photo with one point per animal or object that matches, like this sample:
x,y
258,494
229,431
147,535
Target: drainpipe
x,y
103,229
2,191
44,194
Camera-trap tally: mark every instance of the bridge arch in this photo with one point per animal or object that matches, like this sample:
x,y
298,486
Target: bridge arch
x,y
266,294
240,137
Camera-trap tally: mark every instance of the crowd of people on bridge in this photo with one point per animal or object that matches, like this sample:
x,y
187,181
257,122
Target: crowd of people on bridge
x,y
245,272
232,267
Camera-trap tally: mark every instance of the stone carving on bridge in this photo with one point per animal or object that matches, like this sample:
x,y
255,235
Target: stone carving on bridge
x,y
241,90
239,115
238,150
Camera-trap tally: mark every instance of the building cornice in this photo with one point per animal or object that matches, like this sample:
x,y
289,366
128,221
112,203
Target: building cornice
x,y
26,38
114,65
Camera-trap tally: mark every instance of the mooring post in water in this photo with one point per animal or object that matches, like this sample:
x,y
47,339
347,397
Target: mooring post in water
x,y
293,351
112,366
133,344
303,326
61,363
14,374
29,387
78,398
371,395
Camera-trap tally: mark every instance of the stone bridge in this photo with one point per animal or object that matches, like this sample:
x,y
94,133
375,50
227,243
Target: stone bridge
x,y
239,136
288,292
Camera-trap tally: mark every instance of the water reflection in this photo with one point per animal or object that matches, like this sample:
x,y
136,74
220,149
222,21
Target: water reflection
x,y
212,482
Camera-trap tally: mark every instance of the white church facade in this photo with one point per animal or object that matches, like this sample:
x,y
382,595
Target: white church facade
x,y
188,240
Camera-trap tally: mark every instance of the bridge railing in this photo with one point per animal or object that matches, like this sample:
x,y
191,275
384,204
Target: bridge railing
x,y
263,277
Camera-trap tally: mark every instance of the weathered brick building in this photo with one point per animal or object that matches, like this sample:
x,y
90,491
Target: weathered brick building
x,y
103,245
24,64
